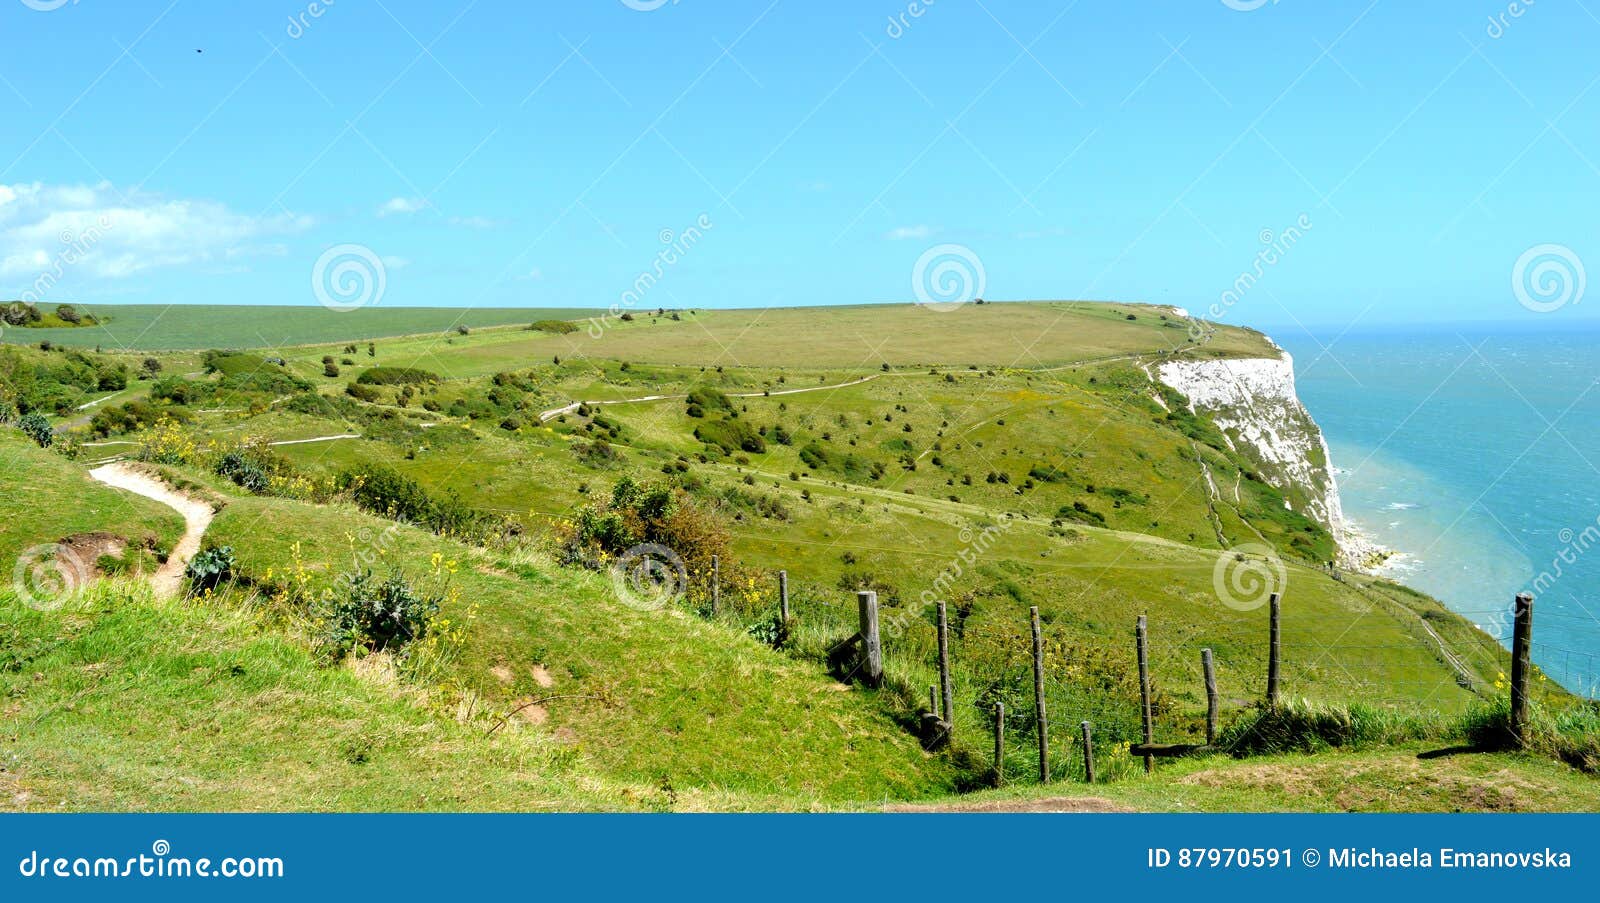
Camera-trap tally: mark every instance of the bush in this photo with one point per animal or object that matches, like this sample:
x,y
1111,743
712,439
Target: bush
x,y
396,376
243,472
330,370
37,428
1301,726
555,327
380,615
730,436
209,568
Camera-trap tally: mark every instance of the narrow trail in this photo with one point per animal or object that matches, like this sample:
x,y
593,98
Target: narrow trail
x,y
546,416
196,517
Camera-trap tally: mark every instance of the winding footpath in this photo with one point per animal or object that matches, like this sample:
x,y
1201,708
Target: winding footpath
x,y
197,515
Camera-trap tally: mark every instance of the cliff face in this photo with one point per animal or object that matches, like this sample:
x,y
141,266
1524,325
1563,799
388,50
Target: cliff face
x,y
1253,401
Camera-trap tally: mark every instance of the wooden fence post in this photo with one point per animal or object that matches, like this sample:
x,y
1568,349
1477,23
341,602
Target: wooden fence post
x,y
871,644
1274,649
999,743
1210,667
1038,697
716,584
783,596
933,700
946,693
1143,637
1521,666
1088,751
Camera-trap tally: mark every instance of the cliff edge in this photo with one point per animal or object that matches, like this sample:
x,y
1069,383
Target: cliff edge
x,y
1253,402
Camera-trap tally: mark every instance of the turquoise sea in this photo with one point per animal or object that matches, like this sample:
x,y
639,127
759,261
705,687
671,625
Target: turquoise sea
x,y
1474,452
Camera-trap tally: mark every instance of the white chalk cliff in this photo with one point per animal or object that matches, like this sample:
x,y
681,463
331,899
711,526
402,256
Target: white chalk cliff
x,y
1253,401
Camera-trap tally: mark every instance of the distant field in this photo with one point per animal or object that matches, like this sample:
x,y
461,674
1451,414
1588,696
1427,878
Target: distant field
x,y
865,337
183,327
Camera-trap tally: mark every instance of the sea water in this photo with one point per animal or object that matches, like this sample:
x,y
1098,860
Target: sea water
x,y
1473,452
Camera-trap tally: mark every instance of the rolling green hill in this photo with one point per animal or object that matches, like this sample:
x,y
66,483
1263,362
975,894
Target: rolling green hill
x,y
997,458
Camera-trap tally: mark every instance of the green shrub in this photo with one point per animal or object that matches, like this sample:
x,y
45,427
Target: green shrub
x,y
380,615
210,567
1301,726
730,436
396,376
555,327
37,428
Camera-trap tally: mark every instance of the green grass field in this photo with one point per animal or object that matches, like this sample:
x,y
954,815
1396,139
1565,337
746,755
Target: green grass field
x,y
998,457
175,327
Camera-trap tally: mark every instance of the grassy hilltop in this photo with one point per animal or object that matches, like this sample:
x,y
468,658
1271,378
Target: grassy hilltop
x,y
997,457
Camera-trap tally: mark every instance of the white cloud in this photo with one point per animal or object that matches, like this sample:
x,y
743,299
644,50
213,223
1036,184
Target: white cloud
x,y
103,232
402,206
906,232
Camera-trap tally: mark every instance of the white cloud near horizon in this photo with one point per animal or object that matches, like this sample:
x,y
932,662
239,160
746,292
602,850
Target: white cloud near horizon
x,y
402,206
107,233
908,232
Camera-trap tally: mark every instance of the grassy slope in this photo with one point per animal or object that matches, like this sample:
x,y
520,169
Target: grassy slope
x,y
145,327
852,338
679,703
1385,780
45,498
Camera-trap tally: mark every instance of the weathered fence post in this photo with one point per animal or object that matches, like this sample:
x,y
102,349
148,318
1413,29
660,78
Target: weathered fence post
x,y
871,645
1038,697
1143,637
933,700
999,743
1210,667
783,596
1521,649
1274,649
1088,751
946,693
716,583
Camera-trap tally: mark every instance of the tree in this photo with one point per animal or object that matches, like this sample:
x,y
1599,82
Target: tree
x,y
151,367
68,314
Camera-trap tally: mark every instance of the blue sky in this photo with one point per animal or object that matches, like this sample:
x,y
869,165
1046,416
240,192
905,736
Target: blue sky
x,y
537,154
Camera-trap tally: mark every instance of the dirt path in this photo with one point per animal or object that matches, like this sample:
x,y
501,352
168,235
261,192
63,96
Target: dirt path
x,y
196,517
567,409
